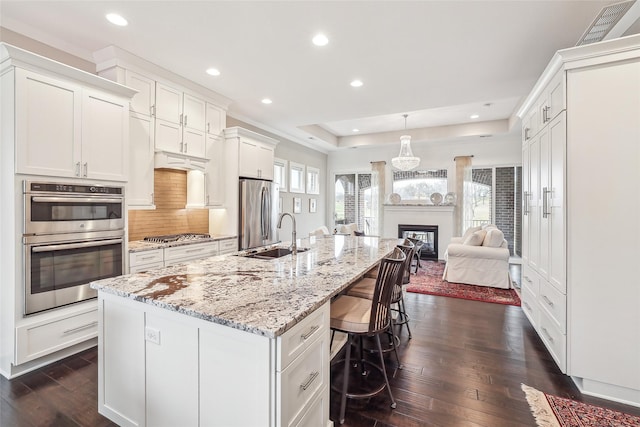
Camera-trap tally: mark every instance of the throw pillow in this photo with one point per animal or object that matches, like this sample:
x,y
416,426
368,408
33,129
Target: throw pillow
x,y
476,238
488,226
494,238
470,231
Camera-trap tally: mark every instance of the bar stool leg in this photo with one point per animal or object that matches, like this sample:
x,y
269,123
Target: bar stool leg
x,y
345,383
403,315
384,371
395,342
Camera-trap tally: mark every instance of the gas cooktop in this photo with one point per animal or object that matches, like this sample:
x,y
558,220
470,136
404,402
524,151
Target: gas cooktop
x,y
176,237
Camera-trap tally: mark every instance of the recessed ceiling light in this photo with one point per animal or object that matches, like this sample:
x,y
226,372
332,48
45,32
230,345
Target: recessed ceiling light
x,y
266,101
116,19
213,71
320,40
474,116
356,130
356,83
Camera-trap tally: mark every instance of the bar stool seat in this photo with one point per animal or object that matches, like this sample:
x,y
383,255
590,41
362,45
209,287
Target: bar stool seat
x,y
349,313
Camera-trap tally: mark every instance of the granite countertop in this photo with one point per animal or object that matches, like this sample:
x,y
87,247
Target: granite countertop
x,y
264,297
141,245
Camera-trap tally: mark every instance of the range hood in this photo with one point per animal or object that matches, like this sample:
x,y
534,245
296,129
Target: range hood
x,y
169,160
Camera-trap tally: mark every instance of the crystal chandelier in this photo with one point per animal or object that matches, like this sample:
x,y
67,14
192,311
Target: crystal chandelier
x,y
405,160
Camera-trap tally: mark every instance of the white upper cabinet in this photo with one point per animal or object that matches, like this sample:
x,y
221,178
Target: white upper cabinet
x,y
48,130
140,191
180,122
216,119
144,101
168,104
256,159
194,112
64,129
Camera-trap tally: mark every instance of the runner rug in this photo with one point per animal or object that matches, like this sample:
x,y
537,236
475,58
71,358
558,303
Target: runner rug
x,y
555,411
429,281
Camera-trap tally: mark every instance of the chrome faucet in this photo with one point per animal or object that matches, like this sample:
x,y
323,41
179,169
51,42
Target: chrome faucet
x,y
294,246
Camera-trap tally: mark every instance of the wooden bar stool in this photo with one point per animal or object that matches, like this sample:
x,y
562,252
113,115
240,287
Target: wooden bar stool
x,y
360,317
364,289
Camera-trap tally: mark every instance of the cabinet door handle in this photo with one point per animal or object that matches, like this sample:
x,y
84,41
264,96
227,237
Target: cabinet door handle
x,y
86,169
208,127
185,119
547,300
182,147
79,328
152,110
526,134
546,333
77,168
185,147
308,382
180,119
153,198
545,192
525,202
312,330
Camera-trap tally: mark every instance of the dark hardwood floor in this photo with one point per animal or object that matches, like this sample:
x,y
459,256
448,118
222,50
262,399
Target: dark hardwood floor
x,y
463,367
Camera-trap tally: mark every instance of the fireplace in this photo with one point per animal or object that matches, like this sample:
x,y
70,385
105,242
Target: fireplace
x,y
427,233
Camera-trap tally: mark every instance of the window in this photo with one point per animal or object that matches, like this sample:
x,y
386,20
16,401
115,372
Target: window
x,y
419,185
482,196
354,201
313,180
280,174
296,181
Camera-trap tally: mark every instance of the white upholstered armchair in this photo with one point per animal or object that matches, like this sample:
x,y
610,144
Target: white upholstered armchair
x,y
480,257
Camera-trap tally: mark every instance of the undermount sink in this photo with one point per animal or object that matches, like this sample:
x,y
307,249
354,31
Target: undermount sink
x,y
273,253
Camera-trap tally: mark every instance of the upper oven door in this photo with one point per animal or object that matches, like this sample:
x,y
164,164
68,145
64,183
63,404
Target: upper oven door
x,y
50,213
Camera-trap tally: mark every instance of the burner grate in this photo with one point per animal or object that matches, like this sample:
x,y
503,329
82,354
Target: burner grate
x,y
169,238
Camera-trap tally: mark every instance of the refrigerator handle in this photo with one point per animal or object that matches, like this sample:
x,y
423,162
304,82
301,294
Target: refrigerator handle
x,y
267,213
263,216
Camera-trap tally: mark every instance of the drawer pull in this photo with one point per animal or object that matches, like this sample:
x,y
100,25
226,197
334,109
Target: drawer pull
x,y
547,300
311,332
312,377
546,333
190,251
79,328
527,279
147,257
526,304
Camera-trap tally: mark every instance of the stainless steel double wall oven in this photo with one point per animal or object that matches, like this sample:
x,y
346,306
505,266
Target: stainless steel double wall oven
x,y
73,234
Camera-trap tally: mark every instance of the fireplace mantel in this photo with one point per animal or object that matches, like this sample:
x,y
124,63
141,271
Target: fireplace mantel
x,y
440,215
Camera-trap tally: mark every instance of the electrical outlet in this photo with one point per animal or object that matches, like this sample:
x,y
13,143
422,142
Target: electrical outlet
x,y
152,335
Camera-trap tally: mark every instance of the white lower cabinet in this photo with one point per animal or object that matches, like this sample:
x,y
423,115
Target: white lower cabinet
x,y
46,336
177,254
162,368
156,258
227,246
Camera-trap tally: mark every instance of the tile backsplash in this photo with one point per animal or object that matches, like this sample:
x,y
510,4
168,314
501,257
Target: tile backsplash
x,y
170,215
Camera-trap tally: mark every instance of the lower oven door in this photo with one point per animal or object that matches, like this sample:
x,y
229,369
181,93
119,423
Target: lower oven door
x,y
58,268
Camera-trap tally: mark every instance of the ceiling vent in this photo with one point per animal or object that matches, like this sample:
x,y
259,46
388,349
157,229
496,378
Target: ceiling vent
x,y
604,22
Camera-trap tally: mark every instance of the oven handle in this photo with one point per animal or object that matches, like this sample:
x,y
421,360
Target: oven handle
x,y
74,199
61,247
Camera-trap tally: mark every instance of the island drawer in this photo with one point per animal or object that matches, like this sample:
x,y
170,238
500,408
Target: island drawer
x,y
296,340
302,381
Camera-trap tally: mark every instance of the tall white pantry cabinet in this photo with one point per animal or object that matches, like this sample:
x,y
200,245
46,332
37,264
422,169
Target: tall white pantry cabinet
x,y
581,206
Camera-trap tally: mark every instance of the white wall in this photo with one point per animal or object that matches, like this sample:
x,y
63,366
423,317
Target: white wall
x,y
505,150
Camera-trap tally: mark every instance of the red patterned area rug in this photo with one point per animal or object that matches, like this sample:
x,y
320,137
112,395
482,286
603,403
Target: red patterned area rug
x,y
429,281
556,411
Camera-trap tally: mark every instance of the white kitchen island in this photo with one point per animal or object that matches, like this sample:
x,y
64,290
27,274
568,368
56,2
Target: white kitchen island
x,y
227,340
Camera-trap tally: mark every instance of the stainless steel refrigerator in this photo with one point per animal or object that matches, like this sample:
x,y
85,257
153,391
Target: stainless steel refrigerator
x,y
258,213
